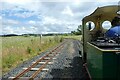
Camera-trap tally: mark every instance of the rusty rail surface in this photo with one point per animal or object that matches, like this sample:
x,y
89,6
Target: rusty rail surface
x,y
54,52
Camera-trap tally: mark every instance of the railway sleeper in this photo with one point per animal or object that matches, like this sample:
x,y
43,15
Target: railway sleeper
x,y
35,69
21,78
44,62
46,58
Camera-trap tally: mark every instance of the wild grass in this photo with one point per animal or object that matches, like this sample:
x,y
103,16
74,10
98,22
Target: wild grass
x,y
17,49
77,37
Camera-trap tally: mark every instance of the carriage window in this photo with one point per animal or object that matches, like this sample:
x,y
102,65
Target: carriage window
x,y
90,25
106,25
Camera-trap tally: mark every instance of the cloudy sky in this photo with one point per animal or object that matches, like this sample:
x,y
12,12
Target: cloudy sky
x,y
45,16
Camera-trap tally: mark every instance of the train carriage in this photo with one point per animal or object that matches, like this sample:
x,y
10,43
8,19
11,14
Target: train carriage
x,y
101,54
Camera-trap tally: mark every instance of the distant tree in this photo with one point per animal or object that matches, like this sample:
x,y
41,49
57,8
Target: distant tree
x,y
79,29
78,32
73,32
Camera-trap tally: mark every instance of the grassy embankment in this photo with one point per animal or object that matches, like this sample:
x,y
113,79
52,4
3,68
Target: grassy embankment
x,y
15,50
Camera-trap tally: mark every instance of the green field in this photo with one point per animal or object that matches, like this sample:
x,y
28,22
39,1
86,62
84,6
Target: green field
x,y
17,49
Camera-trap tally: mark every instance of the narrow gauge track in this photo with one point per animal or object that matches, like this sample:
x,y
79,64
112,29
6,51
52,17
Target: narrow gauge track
x,y
46,58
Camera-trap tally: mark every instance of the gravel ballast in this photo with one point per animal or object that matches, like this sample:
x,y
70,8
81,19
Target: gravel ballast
x,y
67,64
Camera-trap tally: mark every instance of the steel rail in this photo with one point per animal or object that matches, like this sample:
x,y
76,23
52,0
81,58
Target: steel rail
x,y
34,64
40,69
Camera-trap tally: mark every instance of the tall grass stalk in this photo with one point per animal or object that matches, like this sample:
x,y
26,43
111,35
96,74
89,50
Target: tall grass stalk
x,y
15,50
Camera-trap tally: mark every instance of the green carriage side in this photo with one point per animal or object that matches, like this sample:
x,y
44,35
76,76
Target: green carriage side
x,y
102,62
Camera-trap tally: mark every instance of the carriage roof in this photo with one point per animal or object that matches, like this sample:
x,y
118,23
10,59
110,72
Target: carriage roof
x,y
102,13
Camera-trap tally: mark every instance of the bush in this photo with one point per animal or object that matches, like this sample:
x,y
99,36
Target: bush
x,y
29,50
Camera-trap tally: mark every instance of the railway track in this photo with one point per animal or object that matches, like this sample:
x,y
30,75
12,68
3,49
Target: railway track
x,y
44,61
63,62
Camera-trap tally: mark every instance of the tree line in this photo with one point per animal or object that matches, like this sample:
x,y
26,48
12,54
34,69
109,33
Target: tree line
x,y
78,31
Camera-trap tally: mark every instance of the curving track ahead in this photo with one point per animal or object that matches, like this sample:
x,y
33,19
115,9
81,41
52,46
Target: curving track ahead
x,y
62,62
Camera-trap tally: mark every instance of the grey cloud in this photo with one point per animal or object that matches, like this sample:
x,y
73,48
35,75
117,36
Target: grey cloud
x,y
10,22
57,27
54,10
